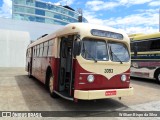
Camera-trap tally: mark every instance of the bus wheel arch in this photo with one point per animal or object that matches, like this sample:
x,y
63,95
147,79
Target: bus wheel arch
x,y
50,81
48,71
157,75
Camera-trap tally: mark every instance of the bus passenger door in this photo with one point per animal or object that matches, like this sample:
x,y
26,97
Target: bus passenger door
x,y
62,68
66,63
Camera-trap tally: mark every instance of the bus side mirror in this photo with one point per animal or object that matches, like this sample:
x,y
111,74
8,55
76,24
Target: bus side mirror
x,y
77,48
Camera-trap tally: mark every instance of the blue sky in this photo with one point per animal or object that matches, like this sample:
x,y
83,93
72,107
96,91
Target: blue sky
x,y
132,16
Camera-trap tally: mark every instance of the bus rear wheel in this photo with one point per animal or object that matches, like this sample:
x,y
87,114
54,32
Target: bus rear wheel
x,y
51,86
158,76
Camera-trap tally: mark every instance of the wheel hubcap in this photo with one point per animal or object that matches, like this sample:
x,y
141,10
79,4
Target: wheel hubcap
x,y
51,84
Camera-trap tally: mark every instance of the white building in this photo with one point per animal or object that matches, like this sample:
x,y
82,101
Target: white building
x,y
13,46
15,36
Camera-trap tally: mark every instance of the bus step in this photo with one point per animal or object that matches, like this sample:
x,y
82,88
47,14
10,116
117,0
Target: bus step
x,y
64,95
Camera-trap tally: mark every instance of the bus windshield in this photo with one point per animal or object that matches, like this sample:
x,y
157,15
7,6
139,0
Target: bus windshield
x,y
118,52
95,50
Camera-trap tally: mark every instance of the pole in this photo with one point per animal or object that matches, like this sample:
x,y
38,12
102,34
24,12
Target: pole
x,y
159,20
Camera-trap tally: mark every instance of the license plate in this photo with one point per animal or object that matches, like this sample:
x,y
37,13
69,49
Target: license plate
x,y
111,92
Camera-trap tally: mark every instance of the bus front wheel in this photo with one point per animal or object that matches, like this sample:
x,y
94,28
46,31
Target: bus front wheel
x,y
158,76
51,86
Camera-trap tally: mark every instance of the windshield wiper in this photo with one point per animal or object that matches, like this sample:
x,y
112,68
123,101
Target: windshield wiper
x,y
112,53
85,51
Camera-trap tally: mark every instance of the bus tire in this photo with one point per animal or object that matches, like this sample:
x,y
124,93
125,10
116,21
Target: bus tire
x,y
158,76
51,86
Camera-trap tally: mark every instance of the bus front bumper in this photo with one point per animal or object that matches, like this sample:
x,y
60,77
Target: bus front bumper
x,y
102,94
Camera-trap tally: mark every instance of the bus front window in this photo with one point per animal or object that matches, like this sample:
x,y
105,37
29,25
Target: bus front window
x,y
118,52
94,50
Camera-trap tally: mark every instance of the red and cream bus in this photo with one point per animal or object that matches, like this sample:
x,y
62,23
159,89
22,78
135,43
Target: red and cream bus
x,y
82,61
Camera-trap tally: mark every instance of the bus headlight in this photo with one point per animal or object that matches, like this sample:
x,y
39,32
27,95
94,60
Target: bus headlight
x,y
90,78
123,78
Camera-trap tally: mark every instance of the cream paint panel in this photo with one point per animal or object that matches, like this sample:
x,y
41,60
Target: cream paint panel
x,y
143,70
81,94
99,94
58,47
100,66
55,48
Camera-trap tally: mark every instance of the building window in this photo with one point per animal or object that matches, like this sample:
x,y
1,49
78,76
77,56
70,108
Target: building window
x,y
30,10
32,18
40,12
23,2
58,16
30,2
49,14
49,21
39,19
40,4
59,22
50,7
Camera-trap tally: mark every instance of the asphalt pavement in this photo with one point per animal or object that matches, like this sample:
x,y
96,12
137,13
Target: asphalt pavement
x,y
20,93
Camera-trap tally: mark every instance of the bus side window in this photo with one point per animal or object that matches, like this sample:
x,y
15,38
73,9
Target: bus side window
x,y
155,45
50,48
37,50
134,48
41,50
143,46
45,49
34,51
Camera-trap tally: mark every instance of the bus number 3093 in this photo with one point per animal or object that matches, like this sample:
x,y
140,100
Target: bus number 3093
x,y
108,70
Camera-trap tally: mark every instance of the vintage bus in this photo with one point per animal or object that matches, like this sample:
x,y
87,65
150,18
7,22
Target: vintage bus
x,y
82,61
145,55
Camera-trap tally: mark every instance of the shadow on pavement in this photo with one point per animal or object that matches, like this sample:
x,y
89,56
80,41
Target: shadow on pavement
x,y
37,98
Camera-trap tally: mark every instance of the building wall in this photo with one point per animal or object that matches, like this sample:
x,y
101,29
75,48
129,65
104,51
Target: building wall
x,y
15,36
13,46
35,29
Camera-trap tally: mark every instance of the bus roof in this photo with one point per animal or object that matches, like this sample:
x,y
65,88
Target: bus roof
x,y
83,28
135,35
145,36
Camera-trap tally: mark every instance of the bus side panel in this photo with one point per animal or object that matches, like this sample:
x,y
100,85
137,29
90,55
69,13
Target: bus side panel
x,y
144,69
100,82
36,67
54,62
45,62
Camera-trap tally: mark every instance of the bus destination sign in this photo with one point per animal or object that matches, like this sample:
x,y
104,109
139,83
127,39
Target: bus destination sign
x,y
108,34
